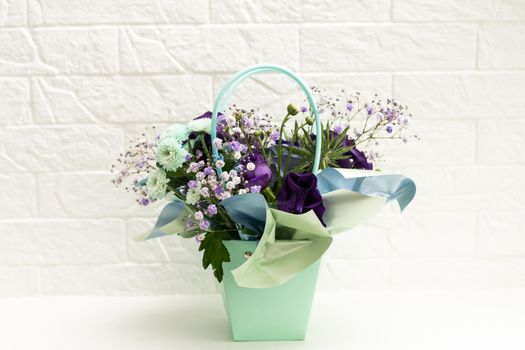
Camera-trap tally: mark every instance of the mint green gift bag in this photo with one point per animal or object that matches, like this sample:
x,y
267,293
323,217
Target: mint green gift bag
x,y
276,313
281,312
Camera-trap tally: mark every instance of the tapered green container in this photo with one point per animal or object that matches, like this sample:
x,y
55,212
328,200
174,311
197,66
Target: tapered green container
x,y
277,313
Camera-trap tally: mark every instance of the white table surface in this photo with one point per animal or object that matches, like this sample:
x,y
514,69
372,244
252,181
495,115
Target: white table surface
x,y
460,319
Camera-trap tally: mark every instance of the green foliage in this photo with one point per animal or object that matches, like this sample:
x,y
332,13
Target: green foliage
x,y
215,252
332,149
179,178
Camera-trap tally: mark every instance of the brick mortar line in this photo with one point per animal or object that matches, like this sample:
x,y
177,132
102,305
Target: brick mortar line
x,y
304,23
477,253
478,30
225,74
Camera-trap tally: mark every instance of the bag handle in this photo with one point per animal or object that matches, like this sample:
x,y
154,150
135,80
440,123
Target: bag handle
x,y
233,82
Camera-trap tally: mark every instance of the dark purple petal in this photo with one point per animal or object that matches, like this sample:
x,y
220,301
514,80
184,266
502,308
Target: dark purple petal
x,y
299,194
220,129
356,158
206,115
359,160
261,175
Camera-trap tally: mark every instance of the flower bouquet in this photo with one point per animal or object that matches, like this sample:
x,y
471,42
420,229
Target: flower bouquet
x,y
263,199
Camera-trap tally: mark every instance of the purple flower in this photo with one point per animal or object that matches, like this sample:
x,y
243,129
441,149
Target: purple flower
x,y
220,129
261,175
188,156
192,184
274,135
255,189
304,109
369,110
349,106
235,146
204,225
208,171
338,129
299,194
212,209
389,129
248,123
144,201
390,114
359,160
356,158
206,115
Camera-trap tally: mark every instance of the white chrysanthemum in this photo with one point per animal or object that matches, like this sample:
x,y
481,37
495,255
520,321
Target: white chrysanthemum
x,y
157,184
200,125
178,132
193,195
171,154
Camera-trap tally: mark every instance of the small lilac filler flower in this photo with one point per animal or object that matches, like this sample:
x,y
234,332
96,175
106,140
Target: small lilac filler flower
x,y
144,201
192,184
235,146
255,189
261,175
212,209
338,129
274,135
204,225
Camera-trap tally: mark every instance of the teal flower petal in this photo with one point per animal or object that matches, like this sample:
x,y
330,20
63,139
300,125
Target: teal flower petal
x,y
157,184
171,154
178,132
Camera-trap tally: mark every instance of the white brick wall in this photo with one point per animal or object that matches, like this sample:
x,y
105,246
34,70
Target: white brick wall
x,y
80,78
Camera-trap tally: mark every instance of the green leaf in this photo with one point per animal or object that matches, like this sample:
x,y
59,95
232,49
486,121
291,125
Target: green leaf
x,y
337,141
215,252
299,151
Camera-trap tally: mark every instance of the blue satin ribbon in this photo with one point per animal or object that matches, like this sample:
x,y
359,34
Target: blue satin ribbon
x,y
392,187
248,210
169,213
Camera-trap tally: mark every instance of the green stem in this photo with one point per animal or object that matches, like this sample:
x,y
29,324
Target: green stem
x,y
356,113
280,148
295,136
204,147
269,195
